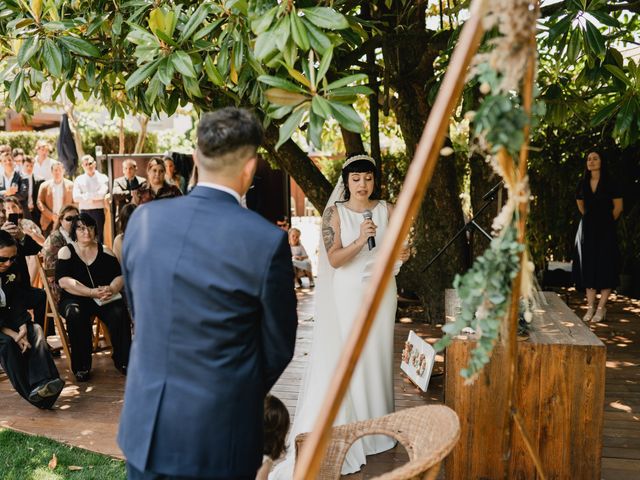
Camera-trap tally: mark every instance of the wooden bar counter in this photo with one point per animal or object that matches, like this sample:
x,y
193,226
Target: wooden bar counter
x,y
559,395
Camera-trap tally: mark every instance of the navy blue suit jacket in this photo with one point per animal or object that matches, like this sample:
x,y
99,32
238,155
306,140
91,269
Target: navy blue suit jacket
x,y
210,286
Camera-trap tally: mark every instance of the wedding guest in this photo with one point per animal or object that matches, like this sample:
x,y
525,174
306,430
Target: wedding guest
x,y
299,258
42,165
123,187
89,190
599,201
24,355
90,278
275,428
18,158
156,187
11,182
54,194
34,183
28,226
125,214
172,176
60,236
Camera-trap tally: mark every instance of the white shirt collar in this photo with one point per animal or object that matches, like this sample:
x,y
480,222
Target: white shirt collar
x,y
216,186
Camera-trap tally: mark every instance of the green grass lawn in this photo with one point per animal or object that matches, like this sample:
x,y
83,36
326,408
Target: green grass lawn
x,y
27,457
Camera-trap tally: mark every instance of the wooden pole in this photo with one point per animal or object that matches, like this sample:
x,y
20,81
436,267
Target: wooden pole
x,y
417,179
511,414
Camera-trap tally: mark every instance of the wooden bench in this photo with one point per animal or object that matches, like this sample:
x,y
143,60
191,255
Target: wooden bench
x,y
559,394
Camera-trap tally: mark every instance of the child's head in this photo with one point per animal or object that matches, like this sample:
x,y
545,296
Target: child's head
x,y
276,426
294,236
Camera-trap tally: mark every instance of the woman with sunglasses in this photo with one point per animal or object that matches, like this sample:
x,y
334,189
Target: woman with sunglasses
x,y
60,235
90,278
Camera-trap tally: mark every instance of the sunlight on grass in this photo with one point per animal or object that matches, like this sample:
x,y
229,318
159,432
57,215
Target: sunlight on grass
x,y
44,473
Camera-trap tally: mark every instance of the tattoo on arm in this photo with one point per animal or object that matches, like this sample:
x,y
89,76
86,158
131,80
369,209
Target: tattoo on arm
x,y
328,234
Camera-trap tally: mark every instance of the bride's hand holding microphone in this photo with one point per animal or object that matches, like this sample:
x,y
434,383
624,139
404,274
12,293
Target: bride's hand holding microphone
x,y
367,231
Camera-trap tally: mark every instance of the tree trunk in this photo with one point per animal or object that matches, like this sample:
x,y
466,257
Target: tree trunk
x,y
440,215
121,138
142,134
297,163
352,142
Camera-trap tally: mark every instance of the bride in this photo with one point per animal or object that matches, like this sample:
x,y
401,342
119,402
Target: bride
x,y
344,270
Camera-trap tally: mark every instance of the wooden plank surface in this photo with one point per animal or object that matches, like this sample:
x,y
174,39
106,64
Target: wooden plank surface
x,y
87,415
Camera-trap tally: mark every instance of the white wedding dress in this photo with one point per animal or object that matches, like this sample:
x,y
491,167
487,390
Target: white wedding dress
x,y
339,295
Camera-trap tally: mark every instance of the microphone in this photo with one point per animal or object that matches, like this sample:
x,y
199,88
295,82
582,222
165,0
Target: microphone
x,y
371,241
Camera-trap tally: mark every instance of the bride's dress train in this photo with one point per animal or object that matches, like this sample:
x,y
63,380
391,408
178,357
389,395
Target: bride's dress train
x,y
339,294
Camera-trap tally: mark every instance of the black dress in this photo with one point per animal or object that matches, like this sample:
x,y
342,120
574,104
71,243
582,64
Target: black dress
x,y
79,311
597,256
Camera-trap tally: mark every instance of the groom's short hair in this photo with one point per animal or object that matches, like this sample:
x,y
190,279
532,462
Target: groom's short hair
x,y
227,138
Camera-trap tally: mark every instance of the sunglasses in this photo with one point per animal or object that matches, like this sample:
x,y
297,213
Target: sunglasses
x,y
70,219
8,259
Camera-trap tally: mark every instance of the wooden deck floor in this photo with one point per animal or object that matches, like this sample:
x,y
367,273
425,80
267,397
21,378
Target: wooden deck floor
x,y
87,414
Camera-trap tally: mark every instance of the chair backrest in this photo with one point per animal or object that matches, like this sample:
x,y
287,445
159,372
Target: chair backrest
x,y
428,433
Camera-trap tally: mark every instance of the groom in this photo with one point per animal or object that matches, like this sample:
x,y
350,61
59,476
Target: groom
x,y
210,286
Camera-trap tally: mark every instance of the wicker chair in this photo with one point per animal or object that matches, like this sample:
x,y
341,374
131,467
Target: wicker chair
x,y
428,433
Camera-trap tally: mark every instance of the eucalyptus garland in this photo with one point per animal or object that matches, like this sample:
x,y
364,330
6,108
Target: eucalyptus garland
x,y
484,292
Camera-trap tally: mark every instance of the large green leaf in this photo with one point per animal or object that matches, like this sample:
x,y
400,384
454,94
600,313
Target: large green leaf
x,y
141,74
314,132
605,113
299,32
321,107
595,40
52,57
347,117
265,44
165,72
605,18
278,96
619,74
289,126
560,28
182,63
194,22
263,22
79,46
212,72
344,81
317,39
17,85
282,32
280,83
28,49
324,66
325,17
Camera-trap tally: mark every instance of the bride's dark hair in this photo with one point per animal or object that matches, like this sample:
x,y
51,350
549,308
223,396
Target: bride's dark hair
x,y
360,166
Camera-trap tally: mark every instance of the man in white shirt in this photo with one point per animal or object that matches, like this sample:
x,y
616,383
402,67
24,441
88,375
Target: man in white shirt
x,y
42,165
89,190
54,194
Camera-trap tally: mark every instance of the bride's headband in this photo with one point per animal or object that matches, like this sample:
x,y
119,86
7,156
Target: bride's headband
x,y
355,158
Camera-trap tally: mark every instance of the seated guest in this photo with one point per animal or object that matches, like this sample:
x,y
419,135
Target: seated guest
x,y
13,206
90,278
299,258
60,237
24,355
125,214
172,177
53,195
156,187
35,298
123,187
275,427
30,206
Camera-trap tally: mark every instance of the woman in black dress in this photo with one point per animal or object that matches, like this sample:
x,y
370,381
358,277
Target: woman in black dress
x,y
596,269
90,278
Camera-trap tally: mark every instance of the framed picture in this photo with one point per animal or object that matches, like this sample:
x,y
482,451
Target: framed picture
x,y
417,360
